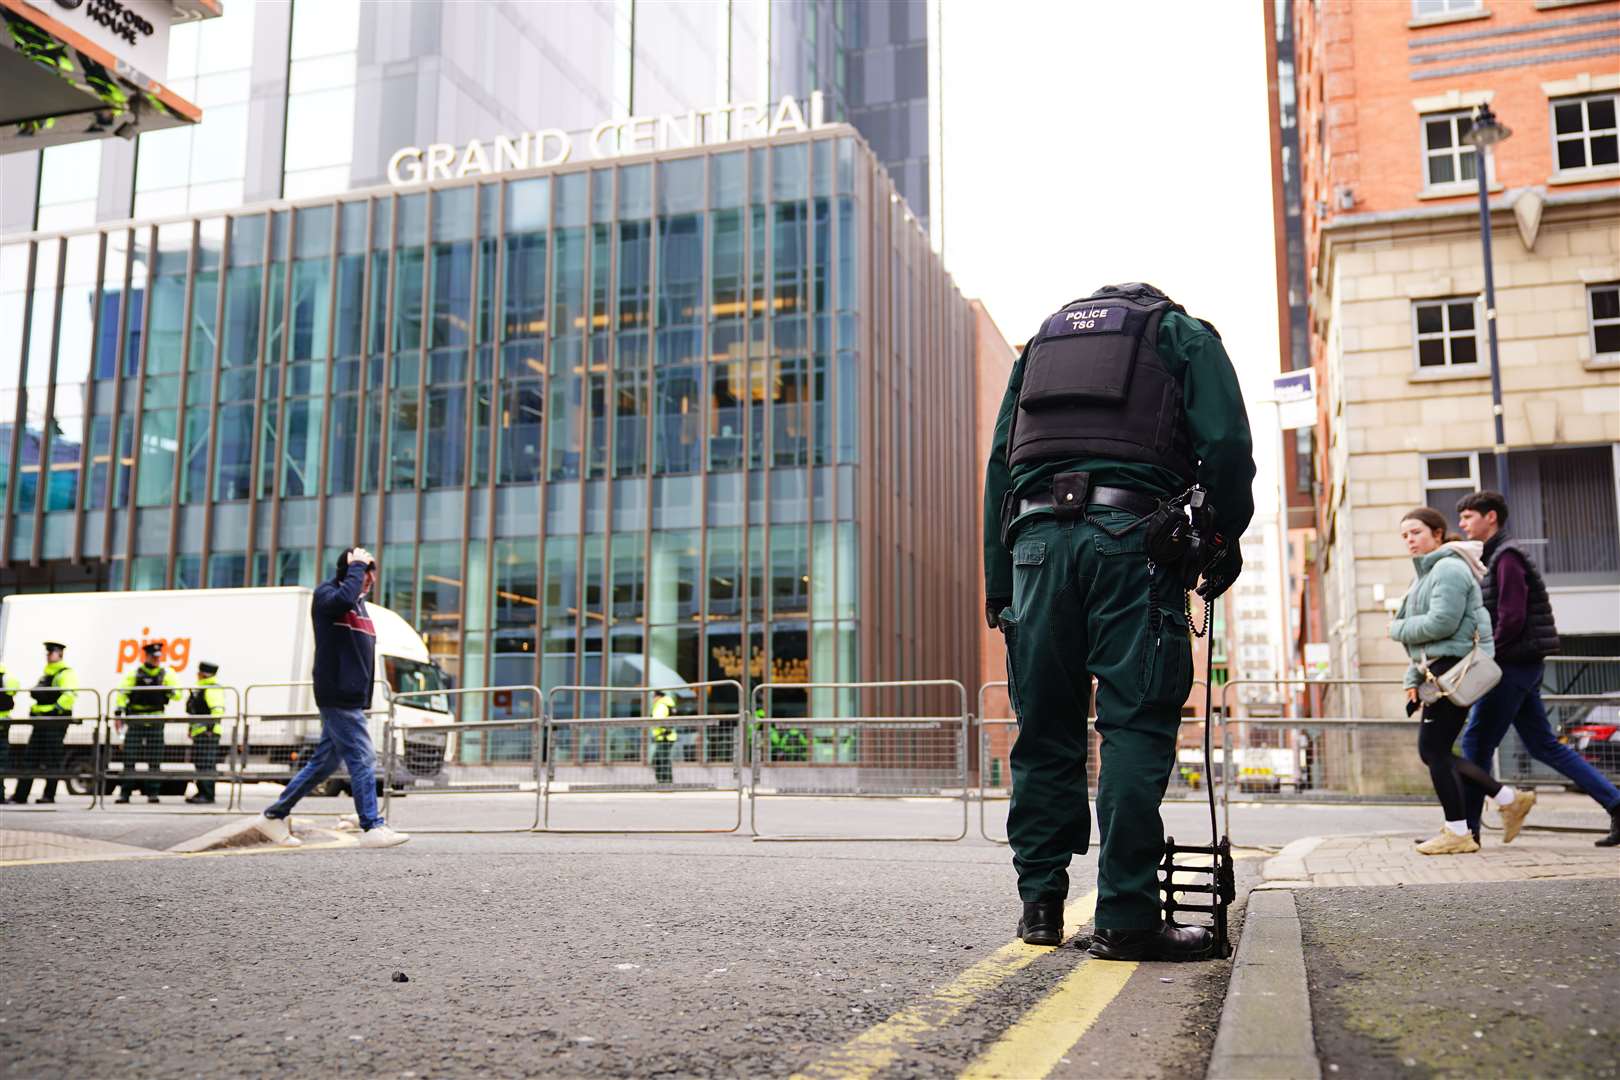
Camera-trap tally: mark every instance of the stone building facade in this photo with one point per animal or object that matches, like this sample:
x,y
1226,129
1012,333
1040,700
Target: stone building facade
x,y
1397,315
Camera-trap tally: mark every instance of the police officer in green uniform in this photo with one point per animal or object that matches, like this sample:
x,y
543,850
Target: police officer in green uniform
x,y
144,692
663,739
207,704
1115,409
52,698
8,701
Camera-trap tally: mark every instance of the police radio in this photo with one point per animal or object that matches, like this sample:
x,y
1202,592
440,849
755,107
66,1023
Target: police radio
x,y
1181,535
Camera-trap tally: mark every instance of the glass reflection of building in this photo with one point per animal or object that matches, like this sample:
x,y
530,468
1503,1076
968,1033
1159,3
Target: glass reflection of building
x,y
685,416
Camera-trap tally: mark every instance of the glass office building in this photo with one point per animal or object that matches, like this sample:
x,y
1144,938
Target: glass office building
x,y
310,97
695,414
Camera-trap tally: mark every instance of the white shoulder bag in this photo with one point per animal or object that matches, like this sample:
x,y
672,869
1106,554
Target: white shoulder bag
x,y
1470,679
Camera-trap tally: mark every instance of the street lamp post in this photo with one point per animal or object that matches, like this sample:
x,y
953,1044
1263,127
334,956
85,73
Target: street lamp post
x,y
1486,131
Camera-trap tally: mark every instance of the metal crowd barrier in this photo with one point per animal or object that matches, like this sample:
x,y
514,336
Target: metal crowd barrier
x,y
1331,758
40,755
998,733
614,754
905,757
1578,721
165,758
995,768
298,731
478,757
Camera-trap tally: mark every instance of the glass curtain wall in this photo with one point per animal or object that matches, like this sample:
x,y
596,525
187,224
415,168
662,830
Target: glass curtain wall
x,y
637,383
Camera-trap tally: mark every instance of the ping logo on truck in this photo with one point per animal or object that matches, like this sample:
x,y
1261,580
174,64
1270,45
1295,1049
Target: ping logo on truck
x,y
176,651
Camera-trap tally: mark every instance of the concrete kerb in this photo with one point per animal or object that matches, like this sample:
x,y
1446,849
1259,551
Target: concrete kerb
x,y
242,832
1289,863
1266,1029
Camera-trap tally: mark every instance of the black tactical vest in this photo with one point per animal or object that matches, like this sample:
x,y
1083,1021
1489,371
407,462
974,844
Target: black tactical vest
x,y
1540,636
45,694
148,701
1094,386
197,703
7,699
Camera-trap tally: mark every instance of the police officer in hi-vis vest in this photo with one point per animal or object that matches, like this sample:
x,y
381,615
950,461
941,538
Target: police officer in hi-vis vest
x,y
1114,411
52,698
8,701
206,704
663,738
145,692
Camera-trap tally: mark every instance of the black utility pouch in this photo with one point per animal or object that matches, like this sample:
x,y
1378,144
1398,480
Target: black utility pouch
x,y
1069,494
1084,354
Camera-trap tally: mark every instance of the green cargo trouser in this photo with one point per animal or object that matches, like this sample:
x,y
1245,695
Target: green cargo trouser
x,y
1087,602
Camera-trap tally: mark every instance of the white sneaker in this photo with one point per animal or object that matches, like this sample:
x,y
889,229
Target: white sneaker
x,y
277,831
348,823
383,836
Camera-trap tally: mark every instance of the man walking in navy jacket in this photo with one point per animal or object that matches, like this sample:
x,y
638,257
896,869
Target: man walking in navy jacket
x,y
345,661
1522,618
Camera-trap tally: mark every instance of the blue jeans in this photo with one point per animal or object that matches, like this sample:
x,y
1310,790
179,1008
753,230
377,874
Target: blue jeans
x,y
1516,703
345,737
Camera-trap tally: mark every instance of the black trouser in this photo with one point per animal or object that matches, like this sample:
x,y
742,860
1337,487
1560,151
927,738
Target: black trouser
x,y
1442,723
663,770
44,753
205,758
142,742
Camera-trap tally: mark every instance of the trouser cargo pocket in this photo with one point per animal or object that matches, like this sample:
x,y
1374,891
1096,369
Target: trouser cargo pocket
x,y
1167,668
1009,637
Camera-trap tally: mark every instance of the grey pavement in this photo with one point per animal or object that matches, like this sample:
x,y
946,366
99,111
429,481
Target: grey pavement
x,y
1465,980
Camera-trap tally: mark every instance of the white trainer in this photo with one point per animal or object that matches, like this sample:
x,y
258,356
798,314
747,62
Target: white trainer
x,y
348,823
382,836
277,831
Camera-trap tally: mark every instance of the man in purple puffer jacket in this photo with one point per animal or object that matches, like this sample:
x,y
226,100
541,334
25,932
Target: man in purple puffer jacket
x,y
1522,618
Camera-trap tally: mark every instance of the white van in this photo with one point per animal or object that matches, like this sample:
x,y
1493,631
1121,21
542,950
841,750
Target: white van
x,y
258,637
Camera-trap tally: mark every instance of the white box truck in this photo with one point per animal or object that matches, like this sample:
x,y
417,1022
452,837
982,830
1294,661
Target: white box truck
x,y
261,639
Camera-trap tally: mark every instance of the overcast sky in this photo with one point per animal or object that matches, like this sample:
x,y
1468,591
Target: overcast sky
x,y
1092,143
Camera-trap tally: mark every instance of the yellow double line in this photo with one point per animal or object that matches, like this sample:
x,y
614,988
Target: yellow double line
x,y
1027,1050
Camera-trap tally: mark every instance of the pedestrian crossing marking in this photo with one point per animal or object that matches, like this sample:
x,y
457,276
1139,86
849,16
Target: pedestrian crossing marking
x,y
1034,1046
879,1046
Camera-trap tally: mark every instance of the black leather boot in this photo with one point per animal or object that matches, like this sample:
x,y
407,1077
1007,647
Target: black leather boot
x,y
1042,923
1613,839
1161,943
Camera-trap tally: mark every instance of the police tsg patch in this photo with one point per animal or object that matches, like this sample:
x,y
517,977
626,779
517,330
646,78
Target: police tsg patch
x,y
1088,319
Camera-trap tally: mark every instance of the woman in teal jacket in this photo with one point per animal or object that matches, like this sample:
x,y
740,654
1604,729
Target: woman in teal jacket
x,y
1439,620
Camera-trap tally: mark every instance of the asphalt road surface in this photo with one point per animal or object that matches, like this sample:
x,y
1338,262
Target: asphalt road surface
x,y
588,955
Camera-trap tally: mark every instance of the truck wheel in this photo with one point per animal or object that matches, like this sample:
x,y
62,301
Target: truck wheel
x,y
79,764
332,789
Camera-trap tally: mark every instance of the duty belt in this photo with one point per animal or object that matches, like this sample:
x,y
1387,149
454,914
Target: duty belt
x,y
1112,498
